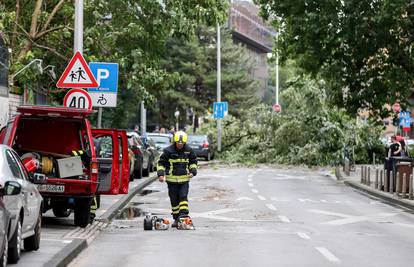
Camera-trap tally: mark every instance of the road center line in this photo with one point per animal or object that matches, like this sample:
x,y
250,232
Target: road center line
x,y
270,206
261,197
327,254
303,235
255,191
251,184
284,218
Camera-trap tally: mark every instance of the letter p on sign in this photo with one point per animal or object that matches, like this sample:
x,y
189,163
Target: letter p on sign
x,y
102,75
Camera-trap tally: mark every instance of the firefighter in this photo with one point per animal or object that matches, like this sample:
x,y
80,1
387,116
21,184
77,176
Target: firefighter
x,y
177,165
85,160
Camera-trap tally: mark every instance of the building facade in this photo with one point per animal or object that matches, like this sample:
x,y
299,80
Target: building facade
x,y
4,78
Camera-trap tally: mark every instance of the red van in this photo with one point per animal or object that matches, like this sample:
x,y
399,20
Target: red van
x,y
78,162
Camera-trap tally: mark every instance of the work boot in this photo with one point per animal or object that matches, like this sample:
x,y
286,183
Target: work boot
x,y
175,223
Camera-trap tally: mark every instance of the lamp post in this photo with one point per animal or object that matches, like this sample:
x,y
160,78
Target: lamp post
x,y
39,65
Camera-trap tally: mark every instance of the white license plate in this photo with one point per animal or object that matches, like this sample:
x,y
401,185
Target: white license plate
x,y
51,188
194,147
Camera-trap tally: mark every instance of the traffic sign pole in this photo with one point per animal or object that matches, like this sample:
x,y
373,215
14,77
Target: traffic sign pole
x,y
218,86
78,37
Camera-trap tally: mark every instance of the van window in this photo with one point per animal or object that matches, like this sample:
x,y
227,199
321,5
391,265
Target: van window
x,y
103,145
8,132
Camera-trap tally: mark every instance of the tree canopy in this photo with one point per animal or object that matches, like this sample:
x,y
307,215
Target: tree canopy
x,y
130,32
362,48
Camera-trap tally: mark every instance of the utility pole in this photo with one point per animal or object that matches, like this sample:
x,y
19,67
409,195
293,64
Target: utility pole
x,y
218,85
277,70
78,38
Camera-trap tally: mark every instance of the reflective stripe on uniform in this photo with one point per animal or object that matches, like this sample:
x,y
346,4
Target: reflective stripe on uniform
x,y
178,178
175,208
94,205
183,203
160,167
184,208
193,166
178,160
74,153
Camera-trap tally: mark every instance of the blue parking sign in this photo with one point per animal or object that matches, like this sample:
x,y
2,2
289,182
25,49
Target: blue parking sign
x,y
220,109
106,74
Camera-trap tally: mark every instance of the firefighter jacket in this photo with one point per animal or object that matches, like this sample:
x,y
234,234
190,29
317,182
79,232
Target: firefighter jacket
x,y
177,164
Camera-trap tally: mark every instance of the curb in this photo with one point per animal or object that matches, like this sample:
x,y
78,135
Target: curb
x,y
67,254
72,250
409,204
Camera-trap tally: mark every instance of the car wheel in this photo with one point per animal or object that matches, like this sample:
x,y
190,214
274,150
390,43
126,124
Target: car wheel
x,y
5,255
15,247
33,242
61,212
82,212
138,173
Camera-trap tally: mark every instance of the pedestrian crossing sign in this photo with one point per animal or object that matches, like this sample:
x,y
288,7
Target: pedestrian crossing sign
x,y
77,74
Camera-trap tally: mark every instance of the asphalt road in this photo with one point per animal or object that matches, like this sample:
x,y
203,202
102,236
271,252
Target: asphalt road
x,y
261,217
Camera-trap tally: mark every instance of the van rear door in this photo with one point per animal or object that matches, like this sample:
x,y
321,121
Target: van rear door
x,y
124,161
107,153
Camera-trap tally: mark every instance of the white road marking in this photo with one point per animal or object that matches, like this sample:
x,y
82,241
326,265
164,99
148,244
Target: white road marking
x,y
347,219
327,254
250,179
284,218
270,206
261,197
250,176
279,199
356,219
65,241
243,198
303,235
251,184
103,211
255,191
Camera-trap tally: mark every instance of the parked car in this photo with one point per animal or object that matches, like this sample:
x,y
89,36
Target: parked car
x,y
201,144
140,157
11,188
161,140
25,208
151,147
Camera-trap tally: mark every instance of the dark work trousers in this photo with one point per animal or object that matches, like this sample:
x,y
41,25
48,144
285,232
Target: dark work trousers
x,y
178,197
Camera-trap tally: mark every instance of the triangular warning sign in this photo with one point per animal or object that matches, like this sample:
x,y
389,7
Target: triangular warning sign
x,y
77,74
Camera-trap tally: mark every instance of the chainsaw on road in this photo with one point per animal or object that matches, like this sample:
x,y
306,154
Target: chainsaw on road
x,y
153,222
185,223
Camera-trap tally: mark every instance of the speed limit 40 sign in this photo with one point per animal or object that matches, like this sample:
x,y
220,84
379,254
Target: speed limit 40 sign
x,y
77,98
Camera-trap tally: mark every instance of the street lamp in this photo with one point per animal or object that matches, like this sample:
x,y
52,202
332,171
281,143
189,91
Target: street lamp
x,y
177,115
38,64
51,71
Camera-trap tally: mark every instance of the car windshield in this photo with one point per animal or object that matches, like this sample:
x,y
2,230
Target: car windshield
x,y
158,139
196,138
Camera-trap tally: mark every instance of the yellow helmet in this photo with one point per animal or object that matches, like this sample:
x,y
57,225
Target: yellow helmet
x,y
180,137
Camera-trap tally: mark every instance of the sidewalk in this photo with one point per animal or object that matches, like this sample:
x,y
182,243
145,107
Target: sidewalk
x,y
354,181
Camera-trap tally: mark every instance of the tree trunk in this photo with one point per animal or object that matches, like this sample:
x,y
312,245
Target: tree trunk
x,y
28,44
